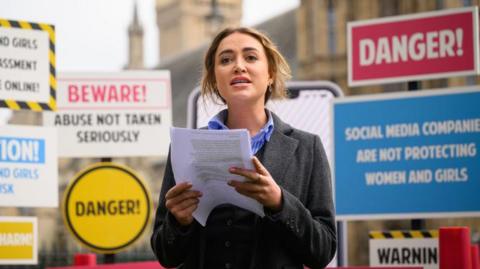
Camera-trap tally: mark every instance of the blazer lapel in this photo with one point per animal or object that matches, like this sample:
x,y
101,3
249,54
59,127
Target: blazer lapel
x,y
279,150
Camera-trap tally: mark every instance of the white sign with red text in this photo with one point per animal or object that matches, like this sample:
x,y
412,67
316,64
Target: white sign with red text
x,y
113,114
428,45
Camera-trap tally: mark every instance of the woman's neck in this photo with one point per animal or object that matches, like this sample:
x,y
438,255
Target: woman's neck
x,y
252,119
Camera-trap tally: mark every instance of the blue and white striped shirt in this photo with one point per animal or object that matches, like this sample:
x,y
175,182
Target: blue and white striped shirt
x,y
218,123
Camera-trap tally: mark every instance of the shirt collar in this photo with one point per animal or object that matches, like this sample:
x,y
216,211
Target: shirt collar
x,y
218,123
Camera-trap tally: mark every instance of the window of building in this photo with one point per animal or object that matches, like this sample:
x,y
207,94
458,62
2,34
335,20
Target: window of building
x,y
332,38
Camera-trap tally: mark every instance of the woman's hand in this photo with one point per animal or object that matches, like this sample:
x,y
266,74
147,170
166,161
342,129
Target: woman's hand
x,y
181,201
259,185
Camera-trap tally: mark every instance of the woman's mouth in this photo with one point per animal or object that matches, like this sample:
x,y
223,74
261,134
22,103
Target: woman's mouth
x,y
239,80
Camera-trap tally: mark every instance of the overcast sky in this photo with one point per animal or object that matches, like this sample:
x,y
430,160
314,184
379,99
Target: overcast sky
x,y
91,35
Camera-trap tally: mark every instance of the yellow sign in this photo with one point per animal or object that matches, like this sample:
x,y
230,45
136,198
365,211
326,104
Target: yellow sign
x,y
107,207
18,240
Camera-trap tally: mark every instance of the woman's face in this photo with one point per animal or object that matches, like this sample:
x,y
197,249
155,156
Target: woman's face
x,y
241,70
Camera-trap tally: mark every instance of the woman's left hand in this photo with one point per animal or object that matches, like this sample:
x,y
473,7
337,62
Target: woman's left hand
x,y
259,185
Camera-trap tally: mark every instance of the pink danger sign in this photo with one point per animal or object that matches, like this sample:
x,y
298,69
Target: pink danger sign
x,y
428,45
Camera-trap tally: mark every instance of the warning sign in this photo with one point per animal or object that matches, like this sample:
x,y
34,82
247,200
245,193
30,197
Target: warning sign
x,y
18,240
107,207
404,248
28,166
113,114
428,45
27,65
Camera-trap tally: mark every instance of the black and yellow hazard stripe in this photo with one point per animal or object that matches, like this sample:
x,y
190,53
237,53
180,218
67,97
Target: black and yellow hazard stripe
x,y
404,234
36,106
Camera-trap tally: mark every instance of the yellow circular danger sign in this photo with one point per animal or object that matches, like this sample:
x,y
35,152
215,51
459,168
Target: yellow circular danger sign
x,y
107,207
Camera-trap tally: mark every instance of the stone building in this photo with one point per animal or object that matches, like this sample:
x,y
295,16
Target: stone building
x,y
322,35
186,24
135,42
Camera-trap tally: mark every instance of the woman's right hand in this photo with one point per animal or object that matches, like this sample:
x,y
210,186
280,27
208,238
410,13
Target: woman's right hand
x,y
181,201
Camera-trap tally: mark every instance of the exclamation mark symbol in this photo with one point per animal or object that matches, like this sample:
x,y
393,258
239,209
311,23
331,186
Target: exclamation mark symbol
x,y
36,153
459,34
137,206
144,91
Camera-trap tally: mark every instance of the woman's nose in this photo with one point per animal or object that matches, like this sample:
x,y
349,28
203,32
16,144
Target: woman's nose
x,y
239,66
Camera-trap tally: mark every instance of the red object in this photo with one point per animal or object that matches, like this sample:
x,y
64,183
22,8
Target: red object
x,y
475,257
84,259
454,244
412,47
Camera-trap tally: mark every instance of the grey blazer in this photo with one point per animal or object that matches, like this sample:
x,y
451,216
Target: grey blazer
x,y
302,233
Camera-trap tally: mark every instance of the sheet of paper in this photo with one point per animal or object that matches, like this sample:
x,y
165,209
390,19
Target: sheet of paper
x,y
203,158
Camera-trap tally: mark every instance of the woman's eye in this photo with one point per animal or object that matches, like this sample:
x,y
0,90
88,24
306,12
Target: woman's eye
x,y
251,58
225,60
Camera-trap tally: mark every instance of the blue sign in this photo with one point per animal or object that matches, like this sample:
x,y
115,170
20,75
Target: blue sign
x,y
22,150
415,155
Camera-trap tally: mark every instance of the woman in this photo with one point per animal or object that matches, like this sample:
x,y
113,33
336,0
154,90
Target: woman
x,y
291,178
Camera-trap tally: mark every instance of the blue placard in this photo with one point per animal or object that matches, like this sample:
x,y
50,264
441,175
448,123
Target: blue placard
x,y
412,155
22,150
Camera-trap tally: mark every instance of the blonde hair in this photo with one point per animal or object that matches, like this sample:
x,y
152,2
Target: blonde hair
x,y
278,68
